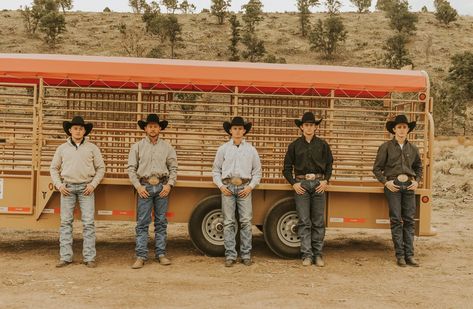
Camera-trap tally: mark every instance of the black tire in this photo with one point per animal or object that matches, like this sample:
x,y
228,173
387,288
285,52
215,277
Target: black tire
x,y
280,229
208,240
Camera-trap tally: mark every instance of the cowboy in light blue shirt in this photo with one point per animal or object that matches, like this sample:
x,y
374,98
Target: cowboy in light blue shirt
x,y
237,171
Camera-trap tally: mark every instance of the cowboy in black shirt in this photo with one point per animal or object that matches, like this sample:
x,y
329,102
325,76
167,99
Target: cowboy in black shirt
x,y
310,158
399,167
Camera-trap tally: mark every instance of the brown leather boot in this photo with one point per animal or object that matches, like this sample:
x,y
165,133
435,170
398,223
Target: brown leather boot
x,y
411,261
163,260
139,263
63,264
319,261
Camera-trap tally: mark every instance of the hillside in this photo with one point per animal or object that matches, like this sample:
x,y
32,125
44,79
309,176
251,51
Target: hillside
x,y
97,34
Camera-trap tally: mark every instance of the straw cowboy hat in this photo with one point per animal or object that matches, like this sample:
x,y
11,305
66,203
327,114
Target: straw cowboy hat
x,y
237,121
308,117
400,119
154,119
77,121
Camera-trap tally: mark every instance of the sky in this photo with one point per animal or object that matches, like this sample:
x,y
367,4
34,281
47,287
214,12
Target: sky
x,y
464,7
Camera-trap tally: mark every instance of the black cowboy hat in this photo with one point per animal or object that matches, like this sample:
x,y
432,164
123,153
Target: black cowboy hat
x,y
77,121
400,119
237,121
152,118
308,117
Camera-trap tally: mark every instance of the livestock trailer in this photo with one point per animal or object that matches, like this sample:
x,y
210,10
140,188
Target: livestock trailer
x,y
39,92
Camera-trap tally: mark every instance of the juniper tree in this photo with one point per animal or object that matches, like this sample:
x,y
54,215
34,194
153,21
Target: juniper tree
x,y
235,28
219,9
397,55
362,5
303,6
445,13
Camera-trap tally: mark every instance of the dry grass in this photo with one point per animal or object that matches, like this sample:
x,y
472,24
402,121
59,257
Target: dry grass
x,y
453,171
97,34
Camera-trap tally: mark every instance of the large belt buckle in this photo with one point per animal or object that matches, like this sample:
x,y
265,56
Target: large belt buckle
x,y
309,176
236,181
153,180
402,178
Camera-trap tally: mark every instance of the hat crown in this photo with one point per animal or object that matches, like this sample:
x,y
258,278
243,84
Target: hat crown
x,y
308,117
401,119
152,118
78,120
237,121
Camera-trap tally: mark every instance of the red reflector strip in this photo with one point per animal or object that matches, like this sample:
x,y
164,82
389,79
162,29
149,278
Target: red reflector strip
x,y
170,214
354,220
347,220
129,213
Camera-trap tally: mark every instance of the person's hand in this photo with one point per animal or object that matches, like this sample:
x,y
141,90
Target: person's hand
x,y
165,191
245,192
88,189
391,186
413,185
64,190
298,188
142,192
225,191
322,186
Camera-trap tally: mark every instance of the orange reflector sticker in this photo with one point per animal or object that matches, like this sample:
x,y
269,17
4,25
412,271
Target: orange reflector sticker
x,y
354,220
170,214
347,220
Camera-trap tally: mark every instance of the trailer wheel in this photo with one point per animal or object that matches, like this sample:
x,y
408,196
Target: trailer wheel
x,y
280,229
206,227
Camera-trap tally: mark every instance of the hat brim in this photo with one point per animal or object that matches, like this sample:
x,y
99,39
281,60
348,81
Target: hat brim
x,y
299,122
67,125
227,126
162,124
391,124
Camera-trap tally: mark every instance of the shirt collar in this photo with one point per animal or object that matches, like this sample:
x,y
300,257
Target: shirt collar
x,y
69,139
394,141
311,141
243,142
149,140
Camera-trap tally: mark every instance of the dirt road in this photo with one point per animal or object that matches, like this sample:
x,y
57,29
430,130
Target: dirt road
x,y
360,270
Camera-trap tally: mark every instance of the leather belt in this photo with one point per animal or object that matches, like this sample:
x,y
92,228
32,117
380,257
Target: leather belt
x,y
153,180
310,177
236,181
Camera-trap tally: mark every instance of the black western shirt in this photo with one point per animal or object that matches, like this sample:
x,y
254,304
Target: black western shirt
x,y
308,158
392,161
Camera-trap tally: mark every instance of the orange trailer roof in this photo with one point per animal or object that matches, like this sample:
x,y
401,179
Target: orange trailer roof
x,y
208,73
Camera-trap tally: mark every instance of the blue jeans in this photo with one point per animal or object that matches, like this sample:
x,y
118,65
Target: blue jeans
x,y
245,213
310,208
143,220
87,208
402,208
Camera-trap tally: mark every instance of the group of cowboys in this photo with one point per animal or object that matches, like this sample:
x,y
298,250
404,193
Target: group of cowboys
x,y
78,167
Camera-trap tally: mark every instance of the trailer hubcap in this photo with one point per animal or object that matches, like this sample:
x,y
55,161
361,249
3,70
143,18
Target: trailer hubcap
x,y
287,229
212,227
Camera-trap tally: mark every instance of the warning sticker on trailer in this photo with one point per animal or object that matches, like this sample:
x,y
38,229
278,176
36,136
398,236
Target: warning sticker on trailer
x,y
382,221
1,188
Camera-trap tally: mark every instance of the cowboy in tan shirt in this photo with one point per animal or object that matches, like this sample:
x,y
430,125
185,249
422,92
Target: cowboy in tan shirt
x,y
76,170
152,169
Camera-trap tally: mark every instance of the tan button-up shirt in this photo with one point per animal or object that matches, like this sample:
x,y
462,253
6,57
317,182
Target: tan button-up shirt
x,y
147,159
73,163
